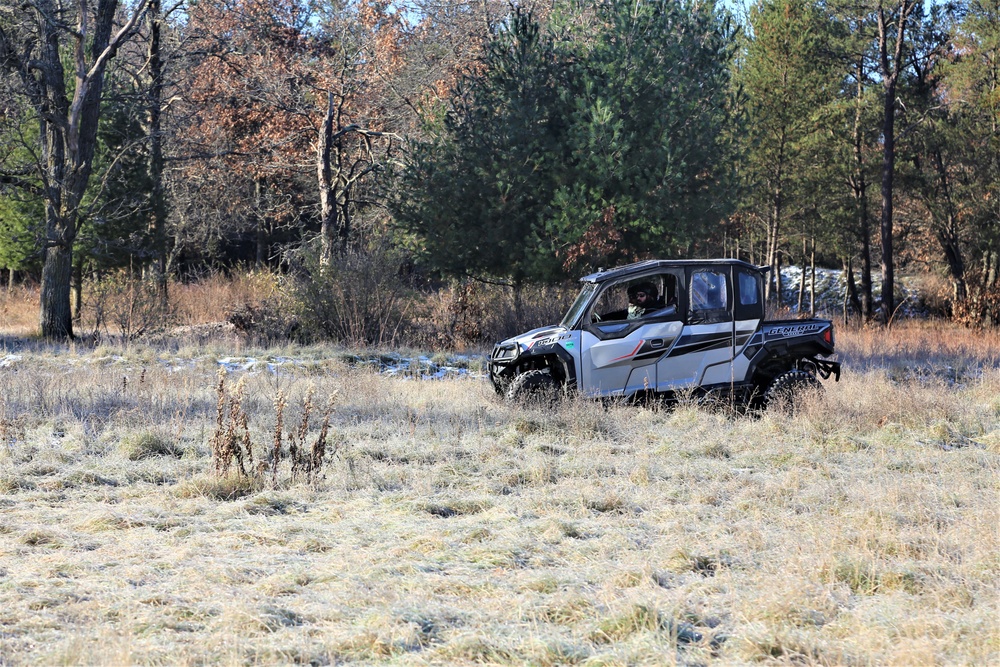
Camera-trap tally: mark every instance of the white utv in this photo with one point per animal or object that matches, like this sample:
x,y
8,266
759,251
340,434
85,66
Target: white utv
x,y
663,327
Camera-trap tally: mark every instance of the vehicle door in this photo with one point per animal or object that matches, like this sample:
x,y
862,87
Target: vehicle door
x,y
703,353
748,312
620,354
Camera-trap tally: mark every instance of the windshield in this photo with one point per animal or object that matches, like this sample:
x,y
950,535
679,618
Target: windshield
x,y
579,305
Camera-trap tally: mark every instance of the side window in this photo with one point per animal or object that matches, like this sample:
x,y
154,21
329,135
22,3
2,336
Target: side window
x,y
708,291
646,297
749,293
669,297
612,305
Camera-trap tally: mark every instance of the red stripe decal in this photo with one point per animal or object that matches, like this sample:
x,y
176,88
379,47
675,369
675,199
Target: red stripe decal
x,y
630,354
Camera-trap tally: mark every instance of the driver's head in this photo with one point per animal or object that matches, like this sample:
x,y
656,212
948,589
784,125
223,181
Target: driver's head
x,y
642,294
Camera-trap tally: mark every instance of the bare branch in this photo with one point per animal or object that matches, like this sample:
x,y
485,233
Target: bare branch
x,y
24,184
118,39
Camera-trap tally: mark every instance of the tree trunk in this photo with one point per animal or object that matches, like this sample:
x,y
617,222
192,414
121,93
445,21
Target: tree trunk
x,y
952,250
812,280
774,227
56,319
157,198
777,279
802,274
867,301
891,68
850,289
328,209
261,242
947,234
772,289
260,231
888,172
78,290
860,189
848,278
518,293
69,134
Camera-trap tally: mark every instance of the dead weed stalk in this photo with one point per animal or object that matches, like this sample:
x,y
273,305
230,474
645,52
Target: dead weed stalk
x,y
231,440
279,409
232,444
308,460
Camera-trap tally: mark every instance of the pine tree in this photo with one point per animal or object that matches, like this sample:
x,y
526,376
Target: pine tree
x,y
788,79
595,139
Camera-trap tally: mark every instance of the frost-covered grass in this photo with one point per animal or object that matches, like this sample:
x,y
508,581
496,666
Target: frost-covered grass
x,y
449,528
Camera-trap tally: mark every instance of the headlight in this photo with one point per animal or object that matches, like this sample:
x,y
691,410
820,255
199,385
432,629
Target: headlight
x,y
506,353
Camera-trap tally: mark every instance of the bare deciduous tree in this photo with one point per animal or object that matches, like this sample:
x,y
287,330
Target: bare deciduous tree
x,y
35,46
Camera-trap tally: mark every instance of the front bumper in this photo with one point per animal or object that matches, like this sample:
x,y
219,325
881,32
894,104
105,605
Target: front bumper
x,y
503,357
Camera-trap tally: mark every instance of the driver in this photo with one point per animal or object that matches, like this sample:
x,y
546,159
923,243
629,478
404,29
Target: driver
x,y
641,300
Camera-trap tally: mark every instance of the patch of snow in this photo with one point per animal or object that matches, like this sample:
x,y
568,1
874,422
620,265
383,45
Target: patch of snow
x,y
394,365
233,364
10,360
110,359
177,365
831,287
418,368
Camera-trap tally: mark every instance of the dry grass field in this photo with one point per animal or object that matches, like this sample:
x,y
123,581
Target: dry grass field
x,y
448,528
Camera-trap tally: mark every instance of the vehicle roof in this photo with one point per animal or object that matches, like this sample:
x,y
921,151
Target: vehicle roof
x,y
658,264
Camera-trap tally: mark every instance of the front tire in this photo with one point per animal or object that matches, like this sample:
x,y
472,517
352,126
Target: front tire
x,y
785,391
500,384
537,387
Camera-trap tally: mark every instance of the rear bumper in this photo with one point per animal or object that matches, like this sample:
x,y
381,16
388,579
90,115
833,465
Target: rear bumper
x,y
827,368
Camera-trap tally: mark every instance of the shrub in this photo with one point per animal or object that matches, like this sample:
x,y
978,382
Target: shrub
x,y
232,445
474,313
981,308
357,298
128,306
265,310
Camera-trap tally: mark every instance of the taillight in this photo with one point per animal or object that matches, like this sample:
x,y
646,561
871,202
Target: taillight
x,y
828,336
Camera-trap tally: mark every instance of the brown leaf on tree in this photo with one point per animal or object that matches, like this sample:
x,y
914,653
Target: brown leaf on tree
x,y
598,244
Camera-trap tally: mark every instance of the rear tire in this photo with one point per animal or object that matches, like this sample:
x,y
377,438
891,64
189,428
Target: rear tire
x,y
536,387
785,391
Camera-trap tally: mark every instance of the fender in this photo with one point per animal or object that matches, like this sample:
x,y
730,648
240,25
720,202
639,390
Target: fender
x,y
780,344
551,354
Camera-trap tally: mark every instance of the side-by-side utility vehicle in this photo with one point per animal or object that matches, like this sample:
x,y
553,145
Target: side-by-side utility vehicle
x,y
663,327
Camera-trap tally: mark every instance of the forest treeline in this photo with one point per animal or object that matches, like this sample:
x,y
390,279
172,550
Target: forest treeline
x,y
512,144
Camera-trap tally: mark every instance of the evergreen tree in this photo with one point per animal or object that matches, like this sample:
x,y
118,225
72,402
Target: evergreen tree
x,y
22,213
960,162
594,140
788,77
894,25
115,232
20,229
850,149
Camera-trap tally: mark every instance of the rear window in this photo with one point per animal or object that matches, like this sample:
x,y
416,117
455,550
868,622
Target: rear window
x,y
708,290
749,294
